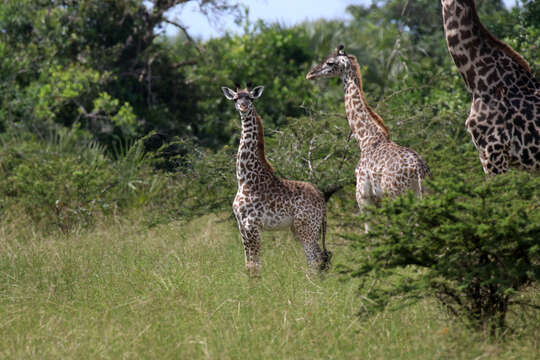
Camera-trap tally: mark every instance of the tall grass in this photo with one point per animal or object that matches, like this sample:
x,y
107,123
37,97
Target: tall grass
x,y
180,291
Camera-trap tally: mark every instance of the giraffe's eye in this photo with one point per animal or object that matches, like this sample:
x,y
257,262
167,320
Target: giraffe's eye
x,y
330,63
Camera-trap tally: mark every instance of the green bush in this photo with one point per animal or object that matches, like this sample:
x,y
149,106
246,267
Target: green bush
x,y
270,55
472,243
66,181
205,183
316,148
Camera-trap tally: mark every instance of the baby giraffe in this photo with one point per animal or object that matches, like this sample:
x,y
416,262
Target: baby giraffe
x,y
385,168
266,202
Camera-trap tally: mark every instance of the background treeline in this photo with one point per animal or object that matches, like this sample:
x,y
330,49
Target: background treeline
x,y
102,115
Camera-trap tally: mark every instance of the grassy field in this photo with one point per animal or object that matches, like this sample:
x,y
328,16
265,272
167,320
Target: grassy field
x,y
180,291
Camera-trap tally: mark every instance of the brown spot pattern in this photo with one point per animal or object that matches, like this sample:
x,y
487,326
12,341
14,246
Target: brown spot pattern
x,y
504,118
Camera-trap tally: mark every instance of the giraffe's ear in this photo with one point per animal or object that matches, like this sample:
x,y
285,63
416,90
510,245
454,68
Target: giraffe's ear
x,y
229,94
257,92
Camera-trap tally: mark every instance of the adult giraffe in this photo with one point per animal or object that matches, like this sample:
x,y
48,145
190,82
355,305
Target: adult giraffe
x,y
385,168
504,118
266,202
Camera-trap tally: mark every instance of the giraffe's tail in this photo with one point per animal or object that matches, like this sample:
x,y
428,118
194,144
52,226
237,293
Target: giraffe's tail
x,y
326,254
427,173
423,174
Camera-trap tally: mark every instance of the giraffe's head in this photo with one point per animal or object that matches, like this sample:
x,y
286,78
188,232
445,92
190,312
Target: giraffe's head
x,y
243,98
334,65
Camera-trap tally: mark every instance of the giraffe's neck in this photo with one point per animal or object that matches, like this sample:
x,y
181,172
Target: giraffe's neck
x,y
251,162
366,126
487,65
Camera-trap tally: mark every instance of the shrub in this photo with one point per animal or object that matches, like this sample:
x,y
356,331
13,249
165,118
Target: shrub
x,y
316,148
65,181
472,243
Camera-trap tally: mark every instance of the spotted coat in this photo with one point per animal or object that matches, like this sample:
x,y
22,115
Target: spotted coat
x,y
266,202
504,118
385,168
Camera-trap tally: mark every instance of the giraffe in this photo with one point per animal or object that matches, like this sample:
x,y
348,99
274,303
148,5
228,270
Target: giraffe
x,y
385,168
266,202
504,117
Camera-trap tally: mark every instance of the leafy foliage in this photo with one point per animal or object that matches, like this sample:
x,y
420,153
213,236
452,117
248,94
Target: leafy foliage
x,y
473,243
268,55
68,181
96,64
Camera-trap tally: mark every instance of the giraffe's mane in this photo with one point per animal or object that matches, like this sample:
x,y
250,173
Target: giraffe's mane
x,y
505,48
378,120
260,143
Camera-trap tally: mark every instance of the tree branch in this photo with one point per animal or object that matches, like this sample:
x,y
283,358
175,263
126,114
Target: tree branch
x,y
185,31
309,156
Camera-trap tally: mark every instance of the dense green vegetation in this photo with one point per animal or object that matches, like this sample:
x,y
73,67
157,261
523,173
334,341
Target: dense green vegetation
x,y
117,155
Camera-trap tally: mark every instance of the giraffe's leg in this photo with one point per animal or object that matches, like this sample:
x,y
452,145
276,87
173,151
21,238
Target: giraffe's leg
x,y
493,157
416,185
492,146
252,247
497,163
251,240
417,188
364,198
307,232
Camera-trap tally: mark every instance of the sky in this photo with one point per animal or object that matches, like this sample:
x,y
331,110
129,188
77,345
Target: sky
x,y
286,12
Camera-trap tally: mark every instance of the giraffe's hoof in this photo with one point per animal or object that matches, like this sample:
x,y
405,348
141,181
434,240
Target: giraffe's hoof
x,y
253,269
326,258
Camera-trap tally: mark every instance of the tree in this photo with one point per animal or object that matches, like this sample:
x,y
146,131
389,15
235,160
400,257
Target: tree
x,y
268,55
471,244
96,63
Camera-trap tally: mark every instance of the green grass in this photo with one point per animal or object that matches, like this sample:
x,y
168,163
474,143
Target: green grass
x,y
180,291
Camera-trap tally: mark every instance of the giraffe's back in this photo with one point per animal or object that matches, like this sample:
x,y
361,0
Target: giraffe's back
x,y
302,203
391,169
